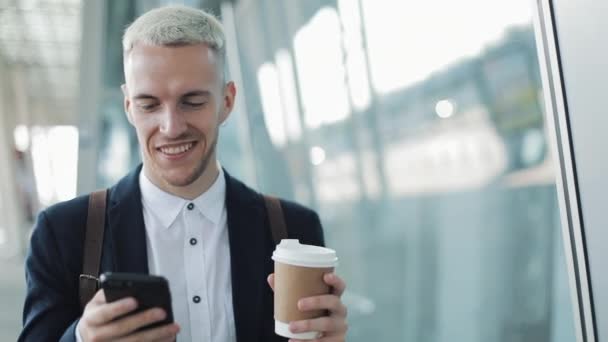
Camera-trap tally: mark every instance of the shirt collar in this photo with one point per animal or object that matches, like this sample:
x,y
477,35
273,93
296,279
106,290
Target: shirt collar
x,y
211,203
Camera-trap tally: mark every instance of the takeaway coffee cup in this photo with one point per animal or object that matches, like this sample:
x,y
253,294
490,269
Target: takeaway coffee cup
x,y
298,273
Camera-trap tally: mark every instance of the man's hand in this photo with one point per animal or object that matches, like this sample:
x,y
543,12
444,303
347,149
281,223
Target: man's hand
x,y
98,324
333,327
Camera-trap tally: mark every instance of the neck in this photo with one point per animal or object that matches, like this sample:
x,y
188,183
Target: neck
x,y
192,190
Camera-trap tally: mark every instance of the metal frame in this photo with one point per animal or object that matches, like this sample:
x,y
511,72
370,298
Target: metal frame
x,y
557,118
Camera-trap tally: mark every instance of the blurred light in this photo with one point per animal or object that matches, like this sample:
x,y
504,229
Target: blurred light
x,y
64,160
360,304
317,155
289,96
440,160
320,66
115,161
22,138
28,5
41,165
55,162
409,40
270,92
444,109
336,179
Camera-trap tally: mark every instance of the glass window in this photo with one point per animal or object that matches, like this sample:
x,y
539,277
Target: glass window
x,y
416,129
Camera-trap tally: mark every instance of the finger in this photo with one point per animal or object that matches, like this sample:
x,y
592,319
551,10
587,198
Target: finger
x,y
99,298
270,280
323,302
105,313
166,332
328,325
313,340
129,324
336,338
171,336
338,285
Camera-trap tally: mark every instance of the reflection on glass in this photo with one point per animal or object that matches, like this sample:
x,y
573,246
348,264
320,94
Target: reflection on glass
x,y
428,162
408,41
319,60
268,80
288,95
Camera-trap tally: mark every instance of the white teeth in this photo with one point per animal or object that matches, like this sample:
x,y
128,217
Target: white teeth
x,y
176,149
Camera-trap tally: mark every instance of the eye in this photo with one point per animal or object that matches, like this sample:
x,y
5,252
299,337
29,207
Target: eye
x,y
194,104
147,106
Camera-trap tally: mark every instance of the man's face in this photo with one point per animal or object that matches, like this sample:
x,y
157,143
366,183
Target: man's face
x,y
176,99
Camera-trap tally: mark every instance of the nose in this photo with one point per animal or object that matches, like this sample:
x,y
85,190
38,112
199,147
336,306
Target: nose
x,y
173,123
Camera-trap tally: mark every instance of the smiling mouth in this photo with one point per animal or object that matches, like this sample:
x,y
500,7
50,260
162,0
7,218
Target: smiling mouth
x,y
175,150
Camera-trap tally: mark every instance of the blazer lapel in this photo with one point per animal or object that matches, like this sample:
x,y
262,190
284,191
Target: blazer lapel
x,y
126,226
247,245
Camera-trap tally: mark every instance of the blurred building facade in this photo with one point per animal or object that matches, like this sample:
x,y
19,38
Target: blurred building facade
x,y
417,132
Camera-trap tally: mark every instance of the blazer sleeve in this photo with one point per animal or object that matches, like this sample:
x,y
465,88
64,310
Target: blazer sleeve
x,y
51,308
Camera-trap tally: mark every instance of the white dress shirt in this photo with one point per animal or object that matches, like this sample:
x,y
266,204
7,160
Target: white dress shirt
x,y
187,243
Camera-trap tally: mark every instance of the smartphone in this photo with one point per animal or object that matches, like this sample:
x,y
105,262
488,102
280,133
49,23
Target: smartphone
x,y
149,292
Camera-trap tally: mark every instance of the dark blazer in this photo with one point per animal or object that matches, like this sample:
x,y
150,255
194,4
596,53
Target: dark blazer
x,y
54,260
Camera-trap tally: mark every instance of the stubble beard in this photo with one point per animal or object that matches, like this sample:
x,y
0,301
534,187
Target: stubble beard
x,y
196,173
201,167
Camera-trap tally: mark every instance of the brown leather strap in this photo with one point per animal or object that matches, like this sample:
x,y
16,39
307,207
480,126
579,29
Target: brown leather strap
x,y
276,218
93,242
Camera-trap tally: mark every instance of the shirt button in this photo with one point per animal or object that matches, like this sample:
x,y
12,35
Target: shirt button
x,y
196,299
193,241
190,206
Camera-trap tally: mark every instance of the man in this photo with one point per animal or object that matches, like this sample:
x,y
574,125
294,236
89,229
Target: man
x,y
178,215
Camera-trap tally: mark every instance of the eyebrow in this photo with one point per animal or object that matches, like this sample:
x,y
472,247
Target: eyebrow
x,y
188,94
197,93
145,97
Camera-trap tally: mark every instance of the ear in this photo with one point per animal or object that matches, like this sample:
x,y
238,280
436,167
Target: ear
x,y
127,103
228,105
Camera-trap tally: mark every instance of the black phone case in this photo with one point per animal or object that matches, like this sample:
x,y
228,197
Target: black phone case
x,y
149,291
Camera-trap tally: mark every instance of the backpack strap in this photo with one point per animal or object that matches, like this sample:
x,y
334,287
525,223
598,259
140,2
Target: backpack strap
x,y
276,219
88,281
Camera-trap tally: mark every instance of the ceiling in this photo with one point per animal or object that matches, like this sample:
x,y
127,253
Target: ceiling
x,y
40,39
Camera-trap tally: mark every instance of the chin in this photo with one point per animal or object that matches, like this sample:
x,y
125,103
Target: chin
x,y
179,178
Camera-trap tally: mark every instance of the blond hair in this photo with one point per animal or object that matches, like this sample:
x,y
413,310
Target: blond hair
x,y
176,25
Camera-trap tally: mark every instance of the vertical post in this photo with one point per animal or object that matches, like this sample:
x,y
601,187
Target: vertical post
x,y
89,111
291,21
234,68
11,225
372,114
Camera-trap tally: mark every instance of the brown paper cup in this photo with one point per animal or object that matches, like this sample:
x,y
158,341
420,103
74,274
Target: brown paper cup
x,y
296,277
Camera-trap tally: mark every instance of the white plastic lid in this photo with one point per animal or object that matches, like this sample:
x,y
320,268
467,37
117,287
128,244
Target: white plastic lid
x,y
291,252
